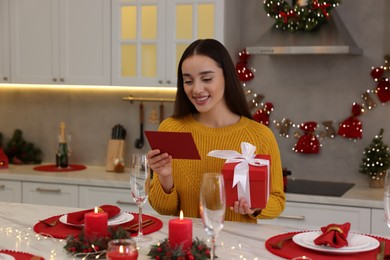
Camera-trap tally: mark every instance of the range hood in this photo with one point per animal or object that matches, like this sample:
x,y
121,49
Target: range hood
x,y
331,38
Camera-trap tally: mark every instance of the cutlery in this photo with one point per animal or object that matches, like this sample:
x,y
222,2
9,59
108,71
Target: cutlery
x,y
51,223
381,253
134,227
280,243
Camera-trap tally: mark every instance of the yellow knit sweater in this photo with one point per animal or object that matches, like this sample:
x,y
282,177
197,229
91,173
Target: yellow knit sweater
x,y
187,174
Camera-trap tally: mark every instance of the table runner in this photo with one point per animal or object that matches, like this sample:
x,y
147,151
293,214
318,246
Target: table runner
x,y
62,230
21,255
54,168
290,250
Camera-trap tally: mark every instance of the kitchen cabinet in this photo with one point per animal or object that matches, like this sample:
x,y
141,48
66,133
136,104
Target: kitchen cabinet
x,y
378,223
60,41
4,42
91,196
149,36
10,191
310,216
50,194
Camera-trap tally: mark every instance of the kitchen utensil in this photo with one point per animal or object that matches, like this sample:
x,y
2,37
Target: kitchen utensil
x,y
144,224
161,112
139,143
135,226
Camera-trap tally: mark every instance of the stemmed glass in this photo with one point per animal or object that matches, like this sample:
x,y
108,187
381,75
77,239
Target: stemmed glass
x,y
386,197
212,206
139,184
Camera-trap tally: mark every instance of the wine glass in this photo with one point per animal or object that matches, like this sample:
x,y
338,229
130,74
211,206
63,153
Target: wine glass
x,y
139,184
386,197
212,206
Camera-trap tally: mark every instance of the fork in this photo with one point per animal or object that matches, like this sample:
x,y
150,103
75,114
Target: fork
x,y
49,224
280,243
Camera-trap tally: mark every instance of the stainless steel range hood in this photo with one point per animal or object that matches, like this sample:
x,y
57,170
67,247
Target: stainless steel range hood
x,y
332,38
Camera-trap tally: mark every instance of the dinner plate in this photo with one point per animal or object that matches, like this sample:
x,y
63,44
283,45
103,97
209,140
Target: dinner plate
x,y
122,217
356,243
6,257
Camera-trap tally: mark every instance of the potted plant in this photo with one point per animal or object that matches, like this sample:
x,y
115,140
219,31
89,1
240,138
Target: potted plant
x,y
376,160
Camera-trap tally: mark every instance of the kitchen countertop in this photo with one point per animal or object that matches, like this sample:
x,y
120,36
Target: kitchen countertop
x,y
358,195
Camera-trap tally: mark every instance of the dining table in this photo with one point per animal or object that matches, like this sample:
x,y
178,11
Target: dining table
x,y
235,241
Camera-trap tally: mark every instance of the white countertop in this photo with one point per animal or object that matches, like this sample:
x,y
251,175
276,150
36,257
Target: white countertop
x,y
358,195
235,241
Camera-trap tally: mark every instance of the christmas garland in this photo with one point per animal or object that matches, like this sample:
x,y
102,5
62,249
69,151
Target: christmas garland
x,y
80,245
304,15
163,250
309,140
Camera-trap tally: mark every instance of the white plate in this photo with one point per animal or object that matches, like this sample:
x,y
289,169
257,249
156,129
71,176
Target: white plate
x,y
122,217
356,243
6,257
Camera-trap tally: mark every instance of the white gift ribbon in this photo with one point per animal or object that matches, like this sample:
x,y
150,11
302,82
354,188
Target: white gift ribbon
x,y
241,170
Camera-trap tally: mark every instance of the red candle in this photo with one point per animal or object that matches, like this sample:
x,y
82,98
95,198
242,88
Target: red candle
x,y
95,224
180,232
122,249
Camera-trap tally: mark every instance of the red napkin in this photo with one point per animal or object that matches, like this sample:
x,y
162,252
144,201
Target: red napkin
x,y
78,216
334,235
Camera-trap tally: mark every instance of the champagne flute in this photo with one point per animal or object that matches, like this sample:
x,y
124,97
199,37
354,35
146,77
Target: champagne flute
x,y
386,197
212,206
139,184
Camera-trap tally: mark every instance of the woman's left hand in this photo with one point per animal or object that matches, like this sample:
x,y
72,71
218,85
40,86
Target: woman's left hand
x,y
242,207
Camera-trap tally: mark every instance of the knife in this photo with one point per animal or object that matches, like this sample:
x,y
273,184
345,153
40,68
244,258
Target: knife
x,y
381,254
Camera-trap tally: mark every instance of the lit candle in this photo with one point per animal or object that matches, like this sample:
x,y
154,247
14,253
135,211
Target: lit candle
x,y
180,232
122,249
95,224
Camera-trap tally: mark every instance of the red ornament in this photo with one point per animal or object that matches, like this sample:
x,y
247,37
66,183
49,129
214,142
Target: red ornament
x,y
377,73
3,159
244,73
383,90
262,115
308,143
352,127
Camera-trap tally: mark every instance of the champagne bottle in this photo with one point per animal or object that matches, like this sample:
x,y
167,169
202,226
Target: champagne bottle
x,y
62,150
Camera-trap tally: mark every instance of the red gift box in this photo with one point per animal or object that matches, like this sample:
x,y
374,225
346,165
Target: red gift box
x,y
258,183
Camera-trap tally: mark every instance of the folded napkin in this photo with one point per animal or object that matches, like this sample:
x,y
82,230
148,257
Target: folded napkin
x,y
334,235
78,216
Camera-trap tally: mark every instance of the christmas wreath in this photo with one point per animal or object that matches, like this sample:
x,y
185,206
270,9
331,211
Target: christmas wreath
x,y
163,250
304,15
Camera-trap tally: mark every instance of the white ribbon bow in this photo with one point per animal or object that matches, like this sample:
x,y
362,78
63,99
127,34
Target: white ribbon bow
x,y
241,170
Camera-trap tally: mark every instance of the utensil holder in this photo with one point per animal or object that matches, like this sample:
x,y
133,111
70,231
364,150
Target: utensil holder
x,y
115,154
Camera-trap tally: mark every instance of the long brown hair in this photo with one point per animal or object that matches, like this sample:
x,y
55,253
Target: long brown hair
x,y
234,92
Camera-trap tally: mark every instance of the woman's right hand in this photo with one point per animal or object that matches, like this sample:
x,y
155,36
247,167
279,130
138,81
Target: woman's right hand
x,y
161,164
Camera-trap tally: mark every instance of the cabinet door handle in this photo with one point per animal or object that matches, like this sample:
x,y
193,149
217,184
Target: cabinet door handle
x,y
160,82
2,186
62,80
48,190
5,79
125,202
168,81
292,217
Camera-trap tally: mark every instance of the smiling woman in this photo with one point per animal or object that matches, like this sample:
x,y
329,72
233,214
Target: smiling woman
x,y
210,103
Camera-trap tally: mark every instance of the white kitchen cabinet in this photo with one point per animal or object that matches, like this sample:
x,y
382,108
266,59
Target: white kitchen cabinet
x,y
4,42
10,191
378,223
91,196
60,41
149,36
311,216
50,194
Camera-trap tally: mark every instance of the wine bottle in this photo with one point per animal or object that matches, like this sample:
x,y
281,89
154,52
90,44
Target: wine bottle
x,y
62,150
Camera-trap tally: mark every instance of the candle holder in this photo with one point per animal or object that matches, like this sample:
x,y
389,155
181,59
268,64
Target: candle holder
x,y
122,249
